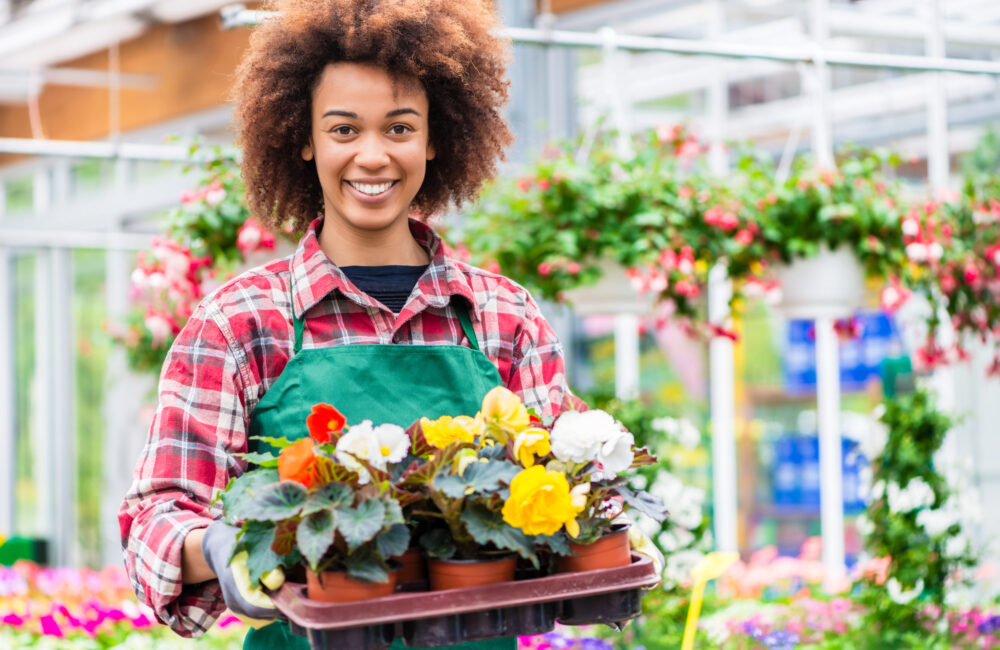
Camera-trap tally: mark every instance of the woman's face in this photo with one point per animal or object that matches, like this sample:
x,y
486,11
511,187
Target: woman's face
x,y
370,142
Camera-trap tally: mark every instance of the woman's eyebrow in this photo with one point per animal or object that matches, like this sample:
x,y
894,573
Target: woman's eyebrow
x,y
337,113
402,111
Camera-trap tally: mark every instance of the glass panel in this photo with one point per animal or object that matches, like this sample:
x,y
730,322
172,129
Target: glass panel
x,y
19,193
92,348
27,517
90,176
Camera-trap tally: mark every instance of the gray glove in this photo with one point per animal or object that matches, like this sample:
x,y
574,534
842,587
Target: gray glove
x,y
242,598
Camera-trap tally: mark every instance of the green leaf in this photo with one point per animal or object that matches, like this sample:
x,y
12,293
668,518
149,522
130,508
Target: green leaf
x,y
487,527
242,492
256,540
394,541
361,524
393,513
366,567
277,501
557,542
480,478
438,543
277,443
644,502
329,496
284,536
315,535
260,460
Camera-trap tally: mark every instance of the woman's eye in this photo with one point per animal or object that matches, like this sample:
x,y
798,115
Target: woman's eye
x,y
343,130
399,129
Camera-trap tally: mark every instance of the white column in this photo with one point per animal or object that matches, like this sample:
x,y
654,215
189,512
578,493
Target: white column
x,y
8,402
64,402
627,355
822,140
722,386
831,490
43,404
937,103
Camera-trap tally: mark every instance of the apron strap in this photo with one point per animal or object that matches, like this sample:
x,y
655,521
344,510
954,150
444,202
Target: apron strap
x,y
463,317
299,323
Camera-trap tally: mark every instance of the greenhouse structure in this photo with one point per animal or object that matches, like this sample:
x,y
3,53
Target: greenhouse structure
x,y
679,173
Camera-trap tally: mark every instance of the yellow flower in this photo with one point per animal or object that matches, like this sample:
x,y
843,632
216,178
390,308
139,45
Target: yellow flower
x,y
700,266
463,459
540,503
504,413
446,430
530,443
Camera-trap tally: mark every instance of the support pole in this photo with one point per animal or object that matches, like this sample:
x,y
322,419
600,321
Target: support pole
x,y
627,355
831,492
8,402
721,374
722,387
62,464
822,142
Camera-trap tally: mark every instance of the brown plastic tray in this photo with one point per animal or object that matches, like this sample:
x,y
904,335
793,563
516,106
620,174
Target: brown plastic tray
x,y
443,618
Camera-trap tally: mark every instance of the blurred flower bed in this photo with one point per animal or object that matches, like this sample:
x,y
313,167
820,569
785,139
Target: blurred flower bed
x,y
65,608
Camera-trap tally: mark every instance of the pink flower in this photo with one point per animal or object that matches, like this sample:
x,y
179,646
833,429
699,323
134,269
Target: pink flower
x,y
573,268
544,269
685,192
971,273
543,184
667,132
894,296
215,194
251,237
744,237
524,184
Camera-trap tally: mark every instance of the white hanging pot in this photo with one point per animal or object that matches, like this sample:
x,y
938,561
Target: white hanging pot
x,y
830,284
612,294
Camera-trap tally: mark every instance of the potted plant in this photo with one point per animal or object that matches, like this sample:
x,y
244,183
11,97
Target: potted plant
x,y
326,504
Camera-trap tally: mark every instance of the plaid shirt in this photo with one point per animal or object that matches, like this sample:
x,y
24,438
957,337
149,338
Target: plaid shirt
x,y
235,346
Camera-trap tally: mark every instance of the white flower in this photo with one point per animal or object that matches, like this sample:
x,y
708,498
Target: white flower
x,y
667,487
592,436
378,446
956,547
215,197
138,278
873,442
687,511
156,281
159,328
910,227
864,525
935,522
917,494
878,490
675,539
682,430
647,525
638,482
900,597
679,566
916,251
935,250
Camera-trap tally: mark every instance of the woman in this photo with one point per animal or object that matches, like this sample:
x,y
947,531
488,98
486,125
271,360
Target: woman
x,y
354,116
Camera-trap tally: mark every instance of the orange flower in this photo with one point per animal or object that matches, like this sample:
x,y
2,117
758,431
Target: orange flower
x,y
324,421
297,462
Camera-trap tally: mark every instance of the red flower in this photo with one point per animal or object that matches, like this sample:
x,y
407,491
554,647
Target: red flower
x,y
744,237
544,269
297,462
323,422
543,184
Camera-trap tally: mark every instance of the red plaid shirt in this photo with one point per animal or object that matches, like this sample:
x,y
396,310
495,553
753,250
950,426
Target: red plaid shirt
x,y
235,346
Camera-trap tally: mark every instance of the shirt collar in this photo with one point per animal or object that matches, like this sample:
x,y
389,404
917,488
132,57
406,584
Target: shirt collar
x,y
314,276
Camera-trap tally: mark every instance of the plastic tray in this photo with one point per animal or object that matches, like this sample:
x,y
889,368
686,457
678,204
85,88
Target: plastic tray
x,y
443,618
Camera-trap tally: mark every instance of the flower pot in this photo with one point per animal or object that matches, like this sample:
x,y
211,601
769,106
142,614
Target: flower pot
x,y
338,587
455,574
608,552
413,571
612,294
829,285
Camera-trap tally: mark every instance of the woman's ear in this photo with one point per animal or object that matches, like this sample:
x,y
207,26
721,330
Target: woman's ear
x,y
430,151
307,151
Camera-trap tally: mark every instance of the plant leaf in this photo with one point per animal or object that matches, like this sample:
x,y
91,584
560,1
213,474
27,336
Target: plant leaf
x,y
366,567
329,496
418,441
328,471
277,443
489,528
256,540
284,536
482,478
361,524
260,460
394,541
557,542
277,501
242,491
315,535
644,502
438,543
393,513
642,458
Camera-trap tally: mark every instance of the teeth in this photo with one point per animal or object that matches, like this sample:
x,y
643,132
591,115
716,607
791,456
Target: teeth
x,y
371,190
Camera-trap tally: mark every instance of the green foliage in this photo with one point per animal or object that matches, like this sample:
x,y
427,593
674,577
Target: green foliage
x,y
489,529
478,478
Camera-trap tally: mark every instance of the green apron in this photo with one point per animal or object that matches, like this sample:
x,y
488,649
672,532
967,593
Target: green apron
x,y
381,383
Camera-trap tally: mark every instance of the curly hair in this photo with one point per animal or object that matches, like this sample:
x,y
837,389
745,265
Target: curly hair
x,y
445,44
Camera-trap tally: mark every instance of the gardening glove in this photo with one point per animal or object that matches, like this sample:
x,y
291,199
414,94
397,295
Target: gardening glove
x,y
640,543
247,601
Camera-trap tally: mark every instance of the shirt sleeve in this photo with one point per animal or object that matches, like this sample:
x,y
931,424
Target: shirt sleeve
x,y
538,372
199,423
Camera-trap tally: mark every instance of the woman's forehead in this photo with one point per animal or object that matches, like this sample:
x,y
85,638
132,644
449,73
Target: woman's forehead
x,y
366,85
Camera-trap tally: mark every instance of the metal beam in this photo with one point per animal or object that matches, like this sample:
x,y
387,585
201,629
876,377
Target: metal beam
x,y
238,16
108,150
116,241
8,401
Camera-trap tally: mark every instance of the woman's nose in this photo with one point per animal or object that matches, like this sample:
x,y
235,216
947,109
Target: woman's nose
x,y
372,153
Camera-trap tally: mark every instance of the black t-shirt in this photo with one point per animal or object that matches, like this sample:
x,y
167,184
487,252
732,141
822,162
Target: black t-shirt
x,y
391,285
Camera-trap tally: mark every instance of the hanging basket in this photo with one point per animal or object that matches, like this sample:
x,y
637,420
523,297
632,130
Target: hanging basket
x,y
612,294
830,284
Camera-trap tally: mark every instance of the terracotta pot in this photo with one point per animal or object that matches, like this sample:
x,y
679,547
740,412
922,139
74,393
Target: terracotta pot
x,y
455,574
337,587
608,552
413,569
